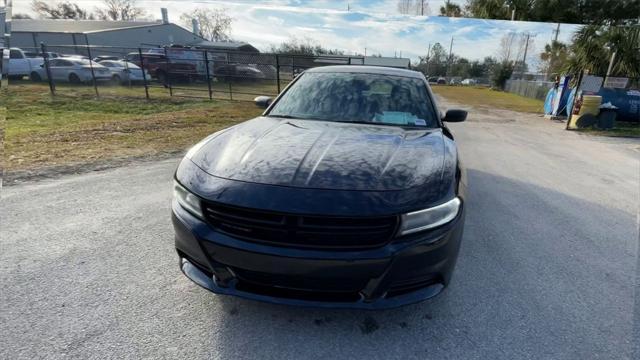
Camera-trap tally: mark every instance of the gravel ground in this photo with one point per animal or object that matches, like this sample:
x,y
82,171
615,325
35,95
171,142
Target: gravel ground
x,y
547,269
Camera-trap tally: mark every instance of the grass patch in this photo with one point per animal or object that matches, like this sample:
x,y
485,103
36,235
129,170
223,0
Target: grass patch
x,y
622,129
485,97
76,128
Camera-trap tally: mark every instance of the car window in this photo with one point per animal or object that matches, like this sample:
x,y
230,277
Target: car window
x,y
106,63
358,97
15,54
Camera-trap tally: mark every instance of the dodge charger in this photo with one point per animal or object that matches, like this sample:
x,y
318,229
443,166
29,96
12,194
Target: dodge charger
x,y
347,192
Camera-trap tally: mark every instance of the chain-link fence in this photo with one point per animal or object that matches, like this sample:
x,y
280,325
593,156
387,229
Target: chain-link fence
x,y
168,71
531,89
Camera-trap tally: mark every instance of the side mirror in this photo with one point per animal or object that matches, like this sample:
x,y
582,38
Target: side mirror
x,y
455,115
41,65
263,101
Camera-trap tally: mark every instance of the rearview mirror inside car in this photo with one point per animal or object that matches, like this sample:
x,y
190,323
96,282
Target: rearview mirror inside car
x,y
455,115
263,101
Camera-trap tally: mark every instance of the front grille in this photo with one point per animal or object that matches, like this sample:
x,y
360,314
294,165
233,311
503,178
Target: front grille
x,y
304,231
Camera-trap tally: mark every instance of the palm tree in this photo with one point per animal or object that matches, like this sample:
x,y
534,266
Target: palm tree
x,y
450,10
554,57
593,45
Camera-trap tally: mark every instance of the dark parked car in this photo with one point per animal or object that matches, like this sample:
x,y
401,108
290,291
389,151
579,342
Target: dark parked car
x,y
163,69
238,72
346,192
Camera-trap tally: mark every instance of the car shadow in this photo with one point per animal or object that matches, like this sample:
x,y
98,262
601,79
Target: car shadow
x,y
540,274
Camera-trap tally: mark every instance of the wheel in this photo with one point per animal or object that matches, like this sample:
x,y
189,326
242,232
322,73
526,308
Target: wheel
x,y
116,80
74,79
162,77
35,77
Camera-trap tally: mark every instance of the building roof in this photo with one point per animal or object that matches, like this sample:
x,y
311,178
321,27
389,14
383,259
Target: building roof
x,y
74,26
225,45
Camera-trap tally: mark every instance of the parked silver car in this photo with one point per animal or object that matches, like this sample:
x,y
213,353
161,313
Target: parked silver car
x,y
73,70
124,71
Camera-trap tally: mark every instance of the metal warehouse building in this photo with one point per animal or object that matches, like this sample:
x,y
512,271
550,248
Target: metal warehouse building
x,y
28,34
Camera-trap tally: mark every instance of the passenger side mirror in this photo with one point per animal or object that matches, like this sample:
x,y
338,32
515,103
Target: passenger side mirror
x,y
455,115
263,101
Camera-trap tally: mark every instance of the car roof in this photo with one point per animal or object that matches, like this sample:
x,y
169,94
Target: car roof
x,y
383,70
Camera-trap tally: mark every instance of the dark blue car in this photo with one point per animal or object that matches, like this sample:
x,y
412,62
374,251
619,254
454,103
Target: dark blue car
x,y
347,192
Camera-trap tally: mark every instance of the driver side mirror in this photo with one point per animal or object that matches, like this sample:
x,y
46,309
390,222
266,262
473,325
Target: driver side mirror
x,y
263,101
455,115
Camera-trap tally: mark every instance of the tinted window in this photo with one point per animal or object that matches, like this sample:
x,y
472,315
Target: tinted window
x,y
15,54
357,97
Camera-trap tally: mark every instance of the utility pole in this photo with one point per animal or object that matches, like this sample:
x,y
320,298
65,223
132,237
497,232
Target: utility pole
x,y
428,55
450,57
524,58
556,33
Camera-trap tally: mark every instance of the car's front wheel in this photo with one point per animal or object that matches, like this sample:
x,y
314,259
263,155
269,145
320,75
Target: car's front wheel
x,y
35,77
74,79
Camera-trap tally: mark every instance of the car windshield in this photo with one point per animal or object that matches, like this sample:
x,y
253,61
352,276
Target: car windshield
x,y
358,97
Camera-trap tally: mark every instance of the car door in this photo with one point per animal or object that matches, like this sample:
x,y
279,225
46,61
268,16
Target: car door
x,y
18,65
60,69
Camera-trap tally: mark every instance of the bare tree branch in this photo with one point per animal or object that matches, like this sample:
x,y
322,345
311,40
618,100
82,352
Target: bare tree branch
x,y
214,24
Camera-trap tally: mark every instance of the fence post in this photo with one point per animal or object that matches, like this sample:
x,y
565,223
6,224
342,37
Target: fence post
x,y
230,91
206,65
278,72
144,75
52,86
168,72
93,74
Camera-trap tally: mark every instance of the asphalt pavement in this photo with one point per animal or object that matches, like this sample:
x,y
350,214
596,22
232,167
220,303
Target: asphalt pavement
x,y
547,269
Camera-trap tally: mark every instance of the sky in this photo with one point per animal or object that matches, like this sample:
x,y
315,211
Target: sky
x,y
373,25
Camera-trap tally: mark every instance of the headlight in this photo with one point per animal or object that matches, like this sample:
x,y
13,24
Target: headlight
x,y
429,218
187,200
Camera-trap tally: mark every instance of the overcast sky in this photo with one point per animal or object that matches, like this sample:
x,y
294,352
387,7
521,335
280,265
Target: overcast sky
x,y
371,24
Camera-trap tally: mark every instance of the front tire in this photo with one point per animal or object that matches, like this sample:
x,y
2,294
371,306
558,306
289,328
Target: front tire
x,y
115,80
74,79
35,77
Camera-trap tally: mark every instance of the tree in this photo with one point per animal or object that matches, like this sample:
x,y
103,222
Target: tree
x,y
413,7
512,47
451,10
500,73
20,16
553,58
214,24
435,63
488,9
305,46
120,10
567,11
61,10
593,46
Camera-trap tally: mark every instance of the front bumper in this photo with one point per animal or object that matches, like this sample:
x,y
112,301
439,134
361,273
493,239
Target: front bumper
x,y
397,274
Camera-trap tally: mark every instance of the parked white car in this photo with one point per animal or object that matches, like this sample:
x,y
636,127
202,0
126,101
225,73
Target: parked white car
x,y
124,71
72,70
469,82
20,65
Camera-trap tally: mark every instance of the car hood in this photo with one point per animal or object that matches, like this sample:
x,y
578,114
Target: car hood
x,y
323,155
